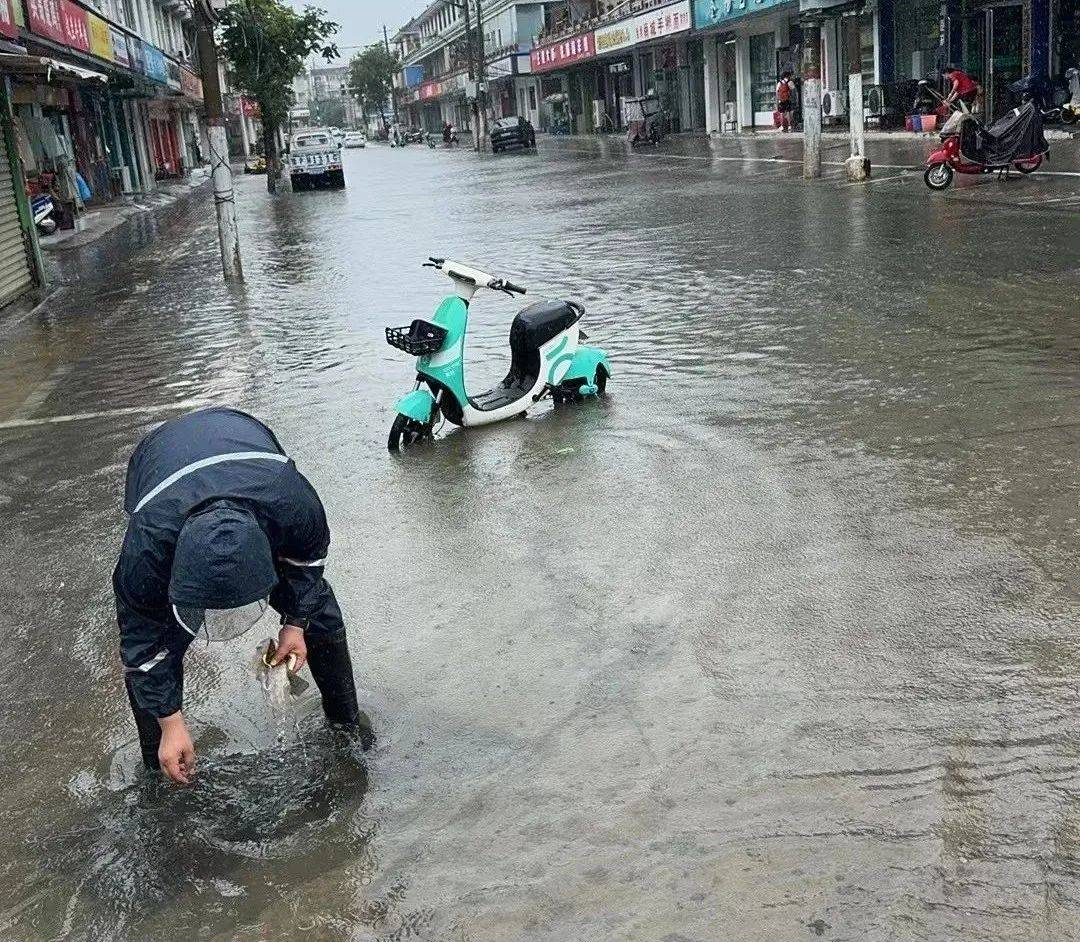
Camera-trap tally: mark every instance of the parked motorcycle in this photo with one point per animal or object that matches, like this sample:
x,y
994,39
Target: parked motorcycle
x,y
1015,141
1070,110
43,210
546,359
1041,91
646,121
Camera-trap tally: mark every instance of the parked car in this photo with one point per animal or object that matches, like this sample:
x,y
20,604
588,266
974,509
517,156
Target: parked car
x,y
514,131
355,139
315,159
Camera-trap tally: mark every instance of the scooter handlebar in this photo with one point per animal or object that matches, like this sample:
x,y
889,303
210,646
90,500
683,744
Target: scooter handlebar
x,y
501,284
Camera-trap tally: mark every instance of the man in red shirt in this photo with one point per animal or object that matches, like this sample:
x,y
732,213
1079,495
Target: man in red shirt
x,y
964,87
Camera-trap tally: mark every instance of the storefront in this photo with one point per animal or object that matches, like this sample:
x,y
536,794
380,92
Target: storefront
x,y
744,50
21,269
567,83
117,144
58,124
192,117
614,45
994,41
508,82
651,53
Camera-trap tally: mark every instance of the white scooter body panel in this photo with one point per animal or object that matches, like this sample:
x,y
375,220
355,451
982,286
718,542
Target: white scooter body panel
x,y
555,357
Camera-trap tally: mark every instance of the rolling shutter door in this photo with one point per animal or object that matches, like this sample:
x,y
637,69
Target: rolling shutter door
x,y
15,273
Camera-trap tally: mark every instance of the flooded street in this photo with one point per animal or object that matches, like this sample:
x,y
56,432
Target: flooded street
x,y
776,642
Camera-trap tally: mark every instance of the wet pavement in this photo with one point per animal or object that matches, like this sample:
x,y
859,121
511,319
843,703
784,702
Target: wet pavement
x,y
776,642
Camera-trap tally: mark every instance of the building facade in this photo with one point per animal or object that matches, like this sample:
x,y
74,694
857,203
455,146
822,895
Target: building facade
x,y
569,66
102,100
434,87
748,43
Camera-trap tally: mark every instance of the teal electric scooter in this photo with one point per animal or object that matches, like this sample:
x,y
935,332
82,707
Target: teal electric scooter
x,y
545,359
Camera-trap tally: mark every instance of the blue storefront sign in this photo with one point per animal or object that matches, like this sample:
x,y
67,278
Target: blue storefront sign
x,y
138,54
713,12
414,75
155,64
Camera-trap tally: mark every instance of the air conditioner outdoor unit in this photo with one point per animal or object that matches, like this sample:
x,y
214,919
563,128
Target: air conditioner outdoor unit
x,y
876,105
833,103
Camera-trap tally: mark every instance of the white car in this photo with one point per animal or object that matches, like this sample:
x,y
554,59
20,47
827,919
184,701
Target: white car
x,y
355,139
315,160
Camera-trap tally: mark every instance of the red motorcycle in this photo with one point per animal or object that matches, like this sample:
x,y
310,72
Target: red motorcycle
x,y
1015,141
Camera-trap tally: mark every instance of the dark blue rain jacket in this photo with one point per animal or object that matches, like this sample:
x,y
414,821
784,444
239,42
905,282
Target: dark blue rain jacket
x,y
181,467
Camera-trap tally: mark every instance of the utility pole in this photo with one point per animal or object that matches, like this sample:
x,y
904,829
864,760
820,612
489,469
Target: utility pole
x,y
858,166
393,91
481,68
811,99
224,194
464,7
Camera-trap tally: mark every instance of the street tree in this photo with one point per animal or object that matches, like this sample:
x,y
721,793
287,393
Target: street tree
x,y
267,43
371,79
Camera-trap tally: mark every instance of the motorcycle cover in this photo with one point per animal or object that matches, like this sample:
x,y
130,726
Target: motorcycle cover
x,y
1017,136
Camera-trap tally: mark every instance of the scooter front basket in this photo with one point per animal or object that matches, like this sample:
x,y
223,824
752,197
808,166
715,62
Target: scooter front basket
x,y
420,338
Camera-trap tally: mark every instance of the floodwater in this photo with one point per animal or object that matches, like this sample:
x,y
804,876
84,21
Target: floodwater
x,y
779,641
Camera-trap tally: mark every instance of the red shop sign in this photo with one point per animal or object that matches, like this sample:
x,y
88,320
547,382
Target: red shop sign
x,y
562,53
430,90
8,26
76,27
44,17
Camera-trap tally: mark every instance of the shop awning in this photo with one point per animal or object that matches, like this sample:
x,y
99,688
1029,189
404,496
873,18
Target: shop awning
x,y
48,67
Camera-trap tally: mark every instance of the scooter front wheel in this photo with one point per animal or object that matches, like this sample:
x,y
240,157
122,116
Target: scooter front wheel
x,y
938,176
405,432
1029,166
1068,115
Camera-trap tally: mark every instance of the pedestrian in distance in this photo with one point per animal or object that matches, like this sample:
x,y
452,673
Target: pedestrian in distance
x,y
221,525
785,99
447,133
962,87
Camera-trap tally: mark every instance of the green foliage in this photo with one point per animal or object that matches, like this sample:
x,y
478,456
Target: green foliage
x,y
371,77
330,113
267,43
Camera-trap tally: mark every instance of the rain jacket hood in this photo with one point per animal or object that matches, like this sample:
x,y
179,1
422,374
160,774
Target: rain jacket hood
x,y
222,559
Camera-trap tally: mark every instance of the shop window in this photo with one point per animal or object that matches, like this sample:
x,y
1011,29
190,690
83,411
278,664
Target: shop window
x,y
763,72
532,98
918,40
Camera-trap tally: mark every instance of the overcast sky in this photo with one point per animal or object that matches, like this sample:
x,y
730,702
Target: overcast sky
x,y
362,20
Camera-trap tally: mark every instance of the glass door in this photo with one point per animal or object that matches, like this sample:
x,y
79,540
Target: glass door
x,y
975,52
762,77
728,88
1005,29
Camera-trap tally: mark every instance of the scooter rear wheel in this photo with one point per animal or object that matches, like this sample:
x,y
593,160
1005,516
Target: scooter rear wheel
x,y
1029,166
1068,115
938,176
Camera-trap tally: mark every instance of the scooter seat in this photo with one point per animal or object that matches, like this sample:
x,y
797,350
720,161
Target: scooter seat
x,y
539,322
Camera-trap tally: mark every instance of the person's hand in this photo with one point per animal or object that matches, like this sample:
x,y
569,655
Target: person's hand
x,y
291,641
176,752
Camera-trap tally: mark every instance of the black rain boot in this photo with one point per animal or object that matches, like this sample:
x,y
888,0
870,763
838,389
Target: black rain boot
x,y
331,666
149,732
